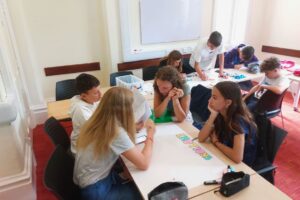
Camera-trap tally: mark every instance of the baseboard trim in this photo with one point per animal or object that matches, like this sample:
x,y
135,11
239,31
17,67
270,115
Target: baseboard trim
x,y
11,186
39,114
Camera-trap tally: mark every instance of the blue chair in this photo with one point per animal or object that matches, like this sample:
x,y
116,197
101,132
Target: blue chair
x,y
65,89
114,75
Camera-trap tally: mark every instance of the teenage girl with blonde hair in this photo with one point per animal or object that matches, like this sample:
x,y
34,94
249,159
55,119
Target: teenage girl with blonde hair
x,y
109,133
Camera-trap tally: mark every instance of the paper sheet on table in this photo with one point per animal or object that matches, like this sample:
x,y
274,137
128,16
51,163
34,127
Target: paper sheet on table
x,y
173,160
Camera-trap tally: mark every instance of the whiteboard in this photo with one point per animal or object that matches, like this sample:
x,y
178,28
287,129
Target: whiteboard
x,y
176,159
170,20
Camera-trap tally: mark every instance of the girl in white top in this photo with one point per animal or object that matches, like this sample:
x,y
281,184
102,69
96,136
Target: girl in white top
x,y
109,133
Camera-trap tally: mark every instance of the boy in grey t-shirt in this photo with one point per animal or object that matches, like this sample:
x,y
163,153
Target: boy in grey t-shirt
x,y
274,81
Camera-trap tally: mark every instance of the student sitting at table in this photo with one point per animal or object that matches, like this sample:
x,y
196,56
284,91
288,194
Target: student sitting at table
x,y
205,54
109,133
239,56
174,59
171,94
84,104
230,125
274,81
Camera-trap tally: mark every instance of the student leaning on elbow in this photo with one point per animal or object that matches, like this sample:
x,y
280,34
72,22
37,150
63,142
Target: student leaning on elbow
x,y
230,126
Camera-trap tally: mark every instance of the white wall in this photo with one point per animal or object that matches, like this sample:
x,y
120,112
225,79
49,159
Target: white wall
x,y
274,23
65,32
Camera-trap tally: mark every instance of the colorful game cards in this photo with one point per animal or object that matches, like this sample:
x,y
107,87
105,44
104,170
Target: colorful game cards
x,y
194,145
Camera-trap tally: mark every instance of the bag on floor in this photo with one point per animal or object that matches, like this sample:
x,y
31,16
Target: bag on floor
x,y
169,190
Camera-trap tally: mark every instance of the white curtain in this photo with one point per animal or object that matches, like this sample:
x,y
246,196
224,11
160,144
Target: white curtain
x,y
230,19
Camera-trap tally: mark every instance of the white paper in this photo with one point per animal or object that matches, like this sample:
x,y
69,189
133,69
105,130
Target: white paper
x,y
172,160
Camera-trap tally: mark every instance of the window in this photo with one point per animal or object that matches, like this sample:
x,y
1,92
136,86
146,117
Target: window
x,y
230,19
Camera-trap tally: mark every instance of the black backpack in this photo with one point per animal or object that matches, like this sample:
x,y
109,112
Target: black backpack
x,y
168,191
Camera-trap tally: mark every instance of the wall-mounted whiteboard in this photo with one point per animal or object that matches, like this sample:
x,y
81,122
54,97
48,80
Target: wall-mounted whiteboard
x,y
170,20
191,20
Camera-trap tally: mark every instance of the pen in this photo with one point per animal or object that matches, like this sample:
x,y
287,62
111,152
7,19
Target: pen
x,y
194,138
211,182
233,181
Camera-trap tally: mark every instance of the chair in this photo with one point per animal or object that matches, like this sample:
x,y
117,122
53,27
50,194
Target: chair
x,y
149,72
186,67
270,137
199,102
58,175
270,105
114,75
65,89
57,133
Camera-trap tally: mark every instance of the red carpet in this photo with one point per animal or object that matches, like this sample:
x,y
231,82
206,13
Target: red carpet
x,y
287,177
43,147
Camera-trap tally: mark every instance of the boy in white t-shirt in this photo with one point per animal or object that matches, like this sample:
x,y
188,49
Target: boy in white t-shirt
x,y
84,104
274,81
205,54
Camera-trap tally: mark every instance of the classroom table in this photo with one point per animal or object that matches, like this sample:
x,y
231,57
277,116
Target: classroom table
x,y
152,177
259,188
232,75
60,109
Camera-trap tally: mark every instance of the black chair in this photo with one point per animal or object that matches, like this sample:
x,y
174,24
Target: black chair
x,y
114,75
58,175
186,67
199,103
65,89
57,133
270,105
149,72
270,137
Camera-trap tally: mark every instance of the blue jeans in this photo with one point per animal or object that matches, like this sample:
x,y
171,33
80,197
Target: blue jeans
x,y
111,188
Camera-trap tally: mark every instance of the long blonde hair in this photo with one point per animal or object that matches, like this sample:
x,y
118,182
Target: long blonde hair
x,y
114,111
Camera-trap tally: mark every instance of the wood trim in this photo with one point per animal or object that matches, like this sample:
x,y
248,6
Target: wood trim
x,y
68,69
142,63
281,51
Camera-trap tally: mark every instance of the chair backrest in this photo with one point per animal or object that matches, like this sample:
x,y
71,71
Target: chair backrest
x,y
114,75
57,133
270,137
65,89
199,102
270,101
186,67
149,72
58,175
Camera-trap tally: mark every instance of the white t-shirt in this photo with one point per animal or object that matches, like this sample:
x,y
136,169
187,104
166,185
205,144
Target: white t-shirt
x,y
281,81
88,170
204,55
80,112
